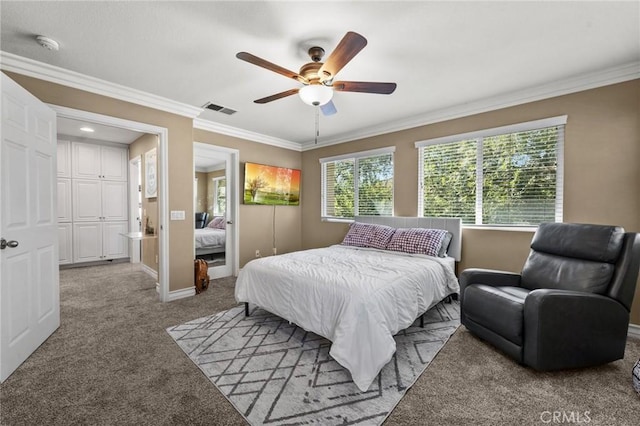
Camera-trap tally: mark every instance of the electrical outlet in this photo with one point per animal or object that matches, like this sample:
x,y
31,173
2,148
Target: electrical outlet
x,y
257,253
275,251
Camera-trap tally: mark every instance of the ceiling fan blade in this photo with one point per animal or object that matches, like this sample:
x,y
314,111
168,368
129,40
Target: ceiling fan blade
x,y
328,109
365,87
349,46
252,59
276,96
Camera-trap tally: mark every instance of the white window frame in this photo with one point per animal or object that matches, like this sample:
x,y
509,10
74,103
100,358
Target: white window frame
x,y
355,156
479,136
216,183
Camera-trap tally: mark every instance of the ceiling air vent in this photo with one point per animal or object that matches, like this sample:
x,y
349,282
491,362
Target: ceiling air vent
x,y
219,108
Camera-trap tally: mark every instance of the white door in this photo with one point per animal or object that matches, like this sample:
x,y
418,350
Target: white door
x,y
87,241
65,243
87,200
114,243
114,200
86,163
29,281
114,163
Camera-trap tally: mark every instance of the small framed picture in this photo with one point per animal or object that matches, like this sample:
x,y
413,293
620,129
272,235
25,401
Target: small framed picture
x,y
150,174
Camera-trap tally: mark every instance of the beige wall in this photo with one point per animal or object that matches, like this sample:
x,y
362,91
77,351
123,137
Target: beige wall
x,y
149,205
602,173
180,153
256,222
602,177
201,196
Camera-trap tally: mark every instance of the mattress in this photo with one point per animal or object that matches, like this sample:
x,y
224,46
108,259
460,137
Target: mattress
x,y
209,237
357,298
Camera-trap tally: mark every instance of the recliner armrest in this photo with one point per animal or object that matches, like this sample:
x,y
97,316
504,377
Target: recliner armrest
x,y
585,328
490,277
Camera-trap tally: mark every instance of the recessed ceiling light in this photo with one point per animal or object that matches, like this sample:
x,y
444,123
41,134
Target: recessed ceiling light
x,y
87,129
47,43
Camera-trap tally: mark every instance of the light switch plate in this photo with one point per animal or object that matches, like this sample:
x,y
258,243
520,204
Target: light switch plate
x,y
177,214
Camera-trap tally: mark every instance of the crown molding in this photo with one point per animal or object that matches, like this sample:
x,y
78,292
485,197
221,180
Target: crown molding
x,y
29,67
212,126
567,86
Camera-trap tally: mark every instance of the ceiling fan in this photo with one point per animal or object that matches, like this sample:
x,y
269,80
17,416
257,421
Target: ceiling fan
x,y
317,76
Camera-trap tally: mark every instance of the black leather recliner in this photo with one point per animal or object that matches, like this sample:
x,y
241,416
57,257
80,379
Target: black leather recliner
x,y
568,308
201,219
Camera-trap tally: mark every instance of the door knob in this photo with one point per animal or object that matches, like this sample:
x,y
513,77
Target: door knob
x,y
229,222
4,244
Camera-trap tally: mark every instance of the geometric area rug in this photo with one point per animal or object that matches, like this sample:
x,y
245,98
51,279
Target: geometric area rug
x,y
275,373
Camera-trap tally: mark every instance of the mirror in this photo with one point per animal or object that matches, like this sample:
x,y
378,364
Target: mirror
x,y
210,205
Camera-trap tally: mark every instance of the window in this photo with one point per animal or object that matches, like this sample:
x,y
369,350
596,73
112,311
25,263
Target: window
x,y
219,196
359,184
508,176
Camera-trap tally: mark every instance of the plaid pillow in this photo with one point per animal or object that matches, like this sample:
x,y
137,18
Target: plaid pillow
x,y
368,235
417,240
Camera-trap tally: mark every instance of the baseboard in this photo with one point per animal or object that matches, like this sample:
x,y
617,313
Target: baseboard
x,y
634,331
181,294
152,272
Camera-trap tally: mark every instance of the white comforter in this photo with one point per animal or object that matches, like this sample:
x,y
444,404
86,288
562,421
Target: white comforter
x,y
209,237
357,298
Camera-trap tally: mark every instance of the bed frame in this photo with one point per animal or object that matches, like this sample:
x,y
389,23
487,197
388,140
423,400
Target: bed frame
x,y
453,225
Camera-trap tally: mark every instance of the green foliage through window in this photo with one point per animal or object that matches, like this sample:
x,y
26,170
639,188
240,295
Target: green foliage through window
x,y
360,186
519,181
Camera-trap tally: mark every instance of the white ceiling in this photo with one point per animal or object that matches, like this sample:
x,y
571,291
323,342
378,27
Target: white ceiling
x,y
442,55
69,127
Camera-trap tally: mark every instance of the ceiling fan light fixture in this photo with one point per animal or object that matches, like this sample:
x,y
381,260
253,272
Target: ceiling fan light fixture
x,y
316,94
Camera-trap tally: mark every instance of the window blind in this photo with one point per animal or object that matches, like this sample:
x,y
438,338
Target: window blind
x,y
507,179
359,184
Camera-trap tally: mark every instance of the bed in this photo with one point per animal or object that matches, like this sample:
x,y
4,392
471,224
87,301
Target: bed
x,y
209,241
356,297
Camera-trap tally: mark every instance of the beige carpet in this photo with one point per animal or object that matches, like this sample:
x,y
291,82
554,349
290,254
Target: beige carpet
x,y
111,362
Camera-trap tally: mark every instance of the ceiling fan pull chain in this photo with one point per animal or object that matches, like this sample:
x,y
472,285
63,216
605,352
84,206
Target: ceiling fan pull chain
x,y
317,123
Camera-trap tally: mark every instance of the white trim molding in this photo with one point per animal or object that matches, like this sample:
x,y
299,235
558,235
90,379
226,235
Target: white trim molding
x,y
40,70
181,294
567,86
634,331
152,273
212,126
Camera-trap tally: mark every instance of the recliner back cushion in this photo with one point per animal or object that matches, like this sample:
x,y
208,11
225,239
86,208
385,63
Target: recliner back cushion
x,y
573,256
544,270
599,243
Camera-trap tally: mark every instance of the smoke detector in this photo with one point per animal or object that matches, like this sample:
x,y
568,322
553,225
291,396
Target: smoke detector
x,y
47,43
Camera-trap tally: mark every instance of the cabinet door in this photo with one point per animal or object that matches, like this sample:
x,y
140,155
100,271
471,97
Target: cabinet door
x,y
64,159
114,200
64,200
87,242
86,160
65,243
87,199
114,163
114,244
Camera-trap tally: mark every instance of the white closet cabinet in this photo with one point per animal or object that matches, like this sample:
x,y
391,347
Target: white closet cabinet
x,y
64,159
65,243
65,215
95,200
92,202
99,241
99,162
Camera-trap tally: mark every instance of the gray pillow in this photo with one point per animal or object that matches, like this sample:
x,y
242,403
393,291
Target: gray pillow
x,y
442,252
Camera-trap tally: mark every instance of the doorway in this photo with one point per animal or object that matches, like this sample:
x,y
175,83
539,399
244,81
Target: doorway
x,y
162,181
216,208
